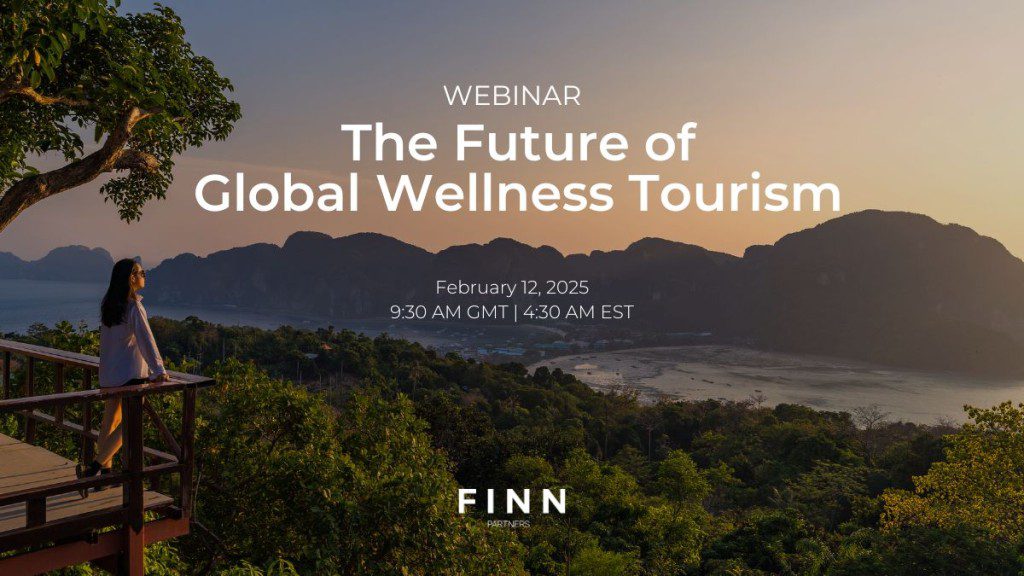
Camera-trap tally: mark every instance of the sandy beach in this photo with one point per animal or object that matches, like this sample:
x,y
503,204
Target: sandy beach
x,y
736,373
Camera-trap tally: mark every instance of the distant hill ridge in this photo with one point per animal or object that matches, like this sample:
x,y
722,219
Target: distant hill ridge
x,y
892,287
69,263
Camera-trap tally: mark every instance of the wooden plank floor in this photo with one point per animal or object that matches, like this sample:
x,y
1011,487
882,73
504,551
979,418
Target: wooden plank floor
x,y
24,466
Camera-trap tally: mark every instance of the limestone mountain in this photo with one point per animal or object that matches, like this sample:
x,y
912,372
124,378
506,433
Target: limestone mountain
x,y
69,263
891,287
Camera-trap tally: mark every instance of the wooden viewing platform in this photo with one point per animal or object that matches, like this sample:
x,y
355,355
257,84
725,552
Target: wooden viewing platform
x,y
45,524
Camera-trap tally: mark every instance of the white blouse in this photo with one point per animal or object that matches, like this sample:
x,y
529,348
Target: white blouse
x,y
128,349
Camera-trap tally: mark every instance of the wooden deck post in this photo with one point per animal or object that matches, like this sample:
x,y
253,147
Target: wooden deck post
x,y
7,374
88,447
133,557
188,434
58,388
30,387
35,512
134,459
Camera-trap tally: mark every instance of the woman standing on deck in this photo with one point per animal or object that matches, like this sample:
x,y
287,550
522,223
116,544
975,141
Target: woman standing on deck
x,y
128,355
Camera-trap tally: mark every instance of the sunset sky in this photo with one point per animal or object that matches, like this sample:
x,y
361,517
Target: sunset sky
x,y
904,105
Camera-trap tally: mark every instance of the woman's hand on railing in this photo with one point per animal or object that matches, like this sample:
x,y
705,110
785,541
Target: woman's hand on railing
x,y
163,377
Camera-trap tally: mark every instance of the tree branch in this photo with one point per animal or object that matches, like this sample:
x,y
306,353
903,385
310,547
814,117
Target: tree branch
x,y
136,160
14,87
30,94
111,156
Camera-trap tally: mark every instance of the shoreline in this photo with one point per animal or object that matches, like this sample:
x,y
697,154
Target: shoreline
x,y
734,373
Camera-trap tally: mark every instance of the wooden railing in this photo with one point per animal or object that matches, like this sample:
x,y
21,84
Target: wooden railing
x,y
65,399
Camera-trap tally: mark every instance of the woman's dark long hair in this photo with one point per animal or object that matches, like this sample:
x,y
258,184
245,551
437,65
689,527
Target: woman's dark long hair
x,y
115,301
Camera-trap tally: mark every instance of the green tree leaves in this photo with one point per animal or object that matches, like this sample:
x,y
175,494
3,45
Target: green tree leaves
x,y
360,492
980,484
132,79
363,478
